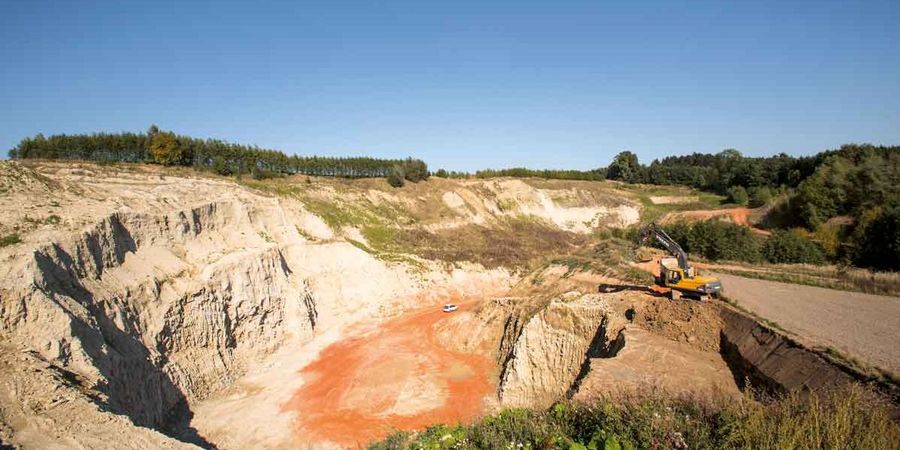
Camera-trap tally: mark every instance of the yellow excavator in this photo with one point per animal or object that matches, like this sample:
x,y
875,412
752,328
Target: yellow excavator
x,y
676,272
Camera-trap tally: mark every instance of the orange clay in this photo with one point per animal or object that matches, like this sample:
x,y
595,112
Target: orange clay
x,y
395,378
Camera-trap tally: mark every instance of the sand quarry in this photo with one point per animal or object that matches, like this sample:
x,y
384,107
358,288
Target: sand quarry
x,y
146,308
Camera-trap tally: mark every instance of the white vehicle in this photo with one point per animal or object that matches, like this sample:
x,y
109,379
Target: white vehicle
x,y
450,307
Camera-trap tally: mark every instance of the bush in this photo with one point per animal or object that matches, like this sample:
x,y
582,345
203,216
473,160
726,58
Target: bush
x,y
220,167
396,176
790,247
441,173
737,194
716,240
10,239
877,239
759,196
414,170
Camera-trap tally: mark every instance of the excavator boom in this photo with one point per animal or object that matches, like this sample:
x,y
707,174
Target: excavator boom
x,y
653,230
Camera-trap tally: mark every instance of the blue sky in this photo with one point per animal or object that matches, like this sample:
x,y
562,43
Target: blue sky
x,y
461,84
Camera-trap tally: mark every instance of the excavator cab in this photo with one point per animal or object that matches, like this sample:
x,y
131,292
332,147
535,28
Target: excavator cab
x,y
675,272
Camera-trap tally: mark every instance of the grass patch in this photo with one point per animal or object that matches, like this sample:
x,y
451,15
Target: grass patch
x,y
10,239
572,265
848,418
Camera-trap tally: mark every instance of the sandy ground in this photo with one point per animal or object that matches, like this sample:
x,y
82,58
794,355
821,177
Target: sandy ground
x,y
674,199
860,325
651,362
396,376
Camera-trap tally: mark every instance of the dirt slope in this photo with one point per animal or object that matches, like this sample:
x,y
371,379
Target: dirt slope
x,y
860,325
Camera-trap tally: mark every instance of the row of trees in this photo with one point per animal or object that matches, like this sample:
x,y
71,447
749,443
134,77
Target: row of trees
x,y
165,147
715,172
717,240
847,200
560,174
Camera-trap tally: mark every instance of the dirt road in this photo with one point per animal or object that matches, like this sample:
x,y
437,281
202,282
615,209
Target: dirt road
x,y
395,377
864,326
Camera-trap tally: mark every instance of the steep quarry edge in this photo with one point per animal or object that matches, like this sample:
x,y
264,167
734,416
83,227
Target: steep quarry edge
x,y
775,363
137,329
544,355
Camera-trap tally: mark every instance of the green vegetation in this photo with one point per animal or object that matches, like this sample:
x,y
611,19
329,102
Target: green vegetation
x,y
164,147
792,247
759,196
521,172
396,177
738,195
10,239
846,419
716,240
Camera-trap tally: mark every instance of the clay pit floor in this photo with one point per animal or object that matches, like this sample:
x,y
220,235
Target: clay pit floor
x,y
393,377
857,324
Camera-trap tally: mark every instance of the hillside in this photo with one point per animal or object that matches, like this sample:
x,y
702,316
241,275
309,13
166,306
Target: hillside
x,y
149,306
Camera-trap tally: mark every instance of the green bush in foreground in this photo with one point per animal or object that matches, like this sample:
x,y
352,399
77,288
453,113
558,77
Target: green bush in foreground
x,y
849,419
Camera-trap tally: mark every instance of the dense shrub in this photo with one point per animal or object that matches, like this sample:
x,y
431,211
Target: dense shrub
x,y
737,194
714,239
396,177
759,195
792,247
414,170
877,239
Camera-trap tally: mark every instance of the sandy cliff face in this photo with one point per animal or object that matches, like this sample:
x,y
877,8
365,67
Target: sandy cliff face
x,y
150,313
550,349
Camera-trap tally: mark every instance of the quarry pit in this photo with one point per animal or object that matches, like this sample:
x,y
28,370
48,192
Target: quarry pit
x,y
161,309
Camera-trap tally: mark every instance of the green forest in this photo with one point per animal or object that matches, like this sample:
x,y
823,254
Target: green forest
x,y
225,158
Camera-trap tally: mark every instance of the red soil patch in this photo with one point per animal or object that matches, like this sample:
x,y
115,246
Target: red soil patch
x,y
739,216
396,377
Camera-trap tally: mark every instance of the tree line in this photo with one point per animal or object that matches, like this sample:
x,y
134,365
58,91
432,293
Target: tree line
x,y
844,202
225,158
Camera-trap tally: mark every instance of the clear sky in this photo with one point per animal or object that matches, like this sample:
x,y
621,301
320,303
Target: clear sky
x,y
461,84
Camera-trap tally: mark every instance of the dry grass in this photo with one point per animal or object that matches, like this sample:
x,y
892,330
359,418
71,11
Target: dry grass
x,y
520,244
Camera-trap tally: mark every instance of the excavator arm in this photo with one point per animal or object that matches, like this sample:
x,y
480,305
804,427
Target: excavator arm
x,y
653,230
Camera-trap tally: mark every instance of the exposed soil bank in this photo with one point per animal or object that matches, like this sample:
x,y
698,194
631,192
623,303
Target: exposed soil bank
x,y
857,324
398,376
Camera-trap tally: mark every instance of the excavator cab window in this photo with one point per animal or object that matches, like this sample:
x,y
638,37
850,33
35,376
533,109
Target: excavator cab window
x,y
674,276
